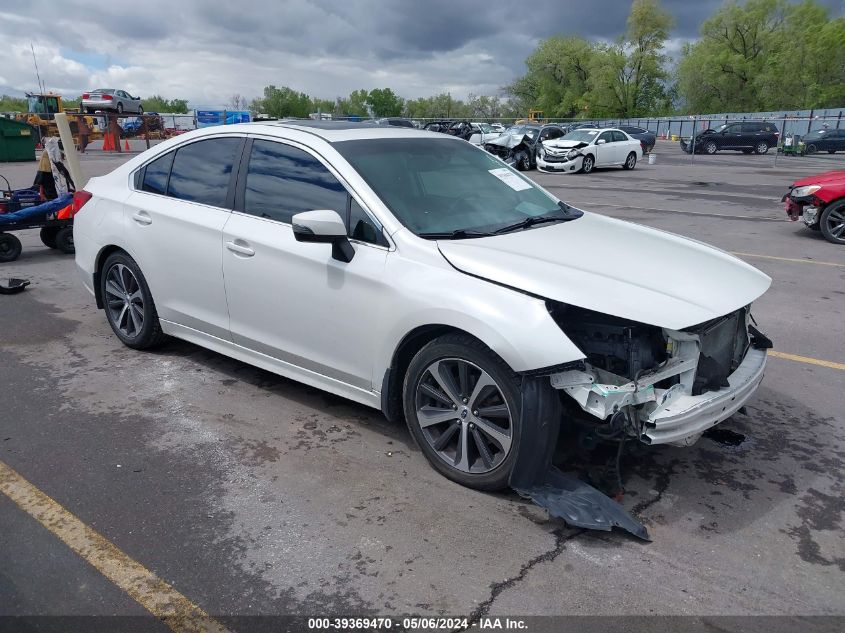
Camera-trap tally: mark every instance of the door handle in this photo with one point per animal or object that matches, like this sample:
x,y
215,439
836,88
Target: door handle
x,y
141,217
240,249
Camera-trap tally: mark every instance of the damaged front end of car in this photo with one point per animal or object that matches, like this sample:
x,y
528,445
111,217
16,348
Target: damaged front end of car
x,y
659,385
654,384
514,150
553,157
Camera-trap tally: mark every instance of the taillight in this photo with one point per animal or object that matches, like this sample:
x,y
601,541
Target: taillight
x,y
106,97
79,199
85,95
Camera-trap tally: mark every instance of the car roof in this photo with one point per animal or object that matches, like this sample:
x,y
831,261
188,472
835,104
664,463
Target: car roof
x,y
330,131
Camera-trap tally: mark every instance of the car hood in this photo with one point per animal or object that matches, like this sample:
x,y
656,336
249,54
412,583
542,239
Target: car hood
x,y
614,267
560,144
510,140
829,177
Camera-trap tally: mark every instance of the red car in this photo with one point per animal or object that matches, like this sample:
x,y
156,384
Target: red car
x,y
820,200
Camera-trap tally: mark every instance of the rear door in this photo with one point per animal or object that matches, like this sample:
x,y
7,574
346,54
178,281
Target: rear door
x,y
174,226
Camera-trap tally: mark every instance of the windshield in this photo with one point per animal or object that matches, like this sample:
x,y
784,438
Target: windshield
x,y
581,136
523,130
442,186
486,128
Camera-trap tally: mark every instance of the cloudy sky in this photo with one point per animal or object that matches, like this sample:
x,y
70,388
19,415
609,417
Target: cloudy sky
x,y
206,52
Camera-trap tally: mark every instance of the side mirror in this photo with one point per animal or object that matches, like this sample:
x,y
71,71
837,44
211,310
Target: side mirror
x,y
601,141
323,227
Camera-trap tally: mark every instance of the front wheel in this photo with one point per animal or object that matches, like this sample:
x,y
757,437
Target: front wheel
x,y
630,162
462,405
588,164
832,223
522,162
811,149
130,309
710,148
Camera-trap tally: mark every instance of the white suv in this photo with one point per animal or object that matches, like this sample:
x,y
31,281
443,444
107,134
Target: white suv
x,y
417,274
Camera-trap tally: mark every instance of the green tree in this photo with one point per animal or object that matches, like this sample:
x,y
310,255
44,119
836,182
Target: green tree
x,y
284,102
384,102
628,78
12,104
157,103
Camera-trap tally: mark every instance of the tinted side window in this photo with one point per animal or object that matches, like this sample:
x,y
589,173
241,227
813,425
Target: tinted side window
x,y
201,171
156,173
750,128
361,226
283,180
619,136
554,132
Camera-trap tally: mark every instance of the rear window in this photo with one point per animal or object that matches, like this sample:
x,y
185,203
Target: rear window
x,y
202,170
156,174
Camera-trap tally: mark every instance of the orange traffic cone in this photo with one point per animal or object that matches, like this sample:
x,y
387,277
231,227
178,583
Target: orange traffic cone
x,y
108,142
126,146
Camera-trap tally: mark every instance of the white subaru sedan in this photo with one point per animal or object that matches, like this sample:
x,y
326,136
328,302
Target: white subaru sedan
x,y
584,149
417,274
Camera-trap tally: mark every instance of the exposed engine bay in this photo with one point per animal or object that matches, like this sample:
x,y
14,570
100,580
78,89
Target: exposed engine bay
x,y
655,384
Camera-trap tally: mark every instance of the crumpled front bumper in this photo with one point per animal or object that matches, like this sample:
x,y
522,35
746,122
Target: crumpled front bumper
x,y
564,167
682,420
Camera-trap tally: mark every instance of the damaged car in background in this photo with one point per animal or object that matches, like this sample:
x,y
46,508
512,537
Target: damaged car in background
x,y
584,149
518,146
432,282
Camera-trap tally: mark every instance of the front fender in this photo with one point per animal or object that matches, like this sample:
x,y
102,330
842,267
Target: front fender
x,y
515,325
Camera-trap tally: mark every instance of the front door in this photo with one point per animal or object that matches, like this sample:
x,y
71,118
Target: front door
x,y
291,300
605,151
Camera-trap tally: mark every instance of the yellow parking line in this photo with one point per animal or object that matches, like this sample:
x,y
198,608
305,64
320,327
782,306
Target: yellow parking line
x,y
142,585
807,359
789,259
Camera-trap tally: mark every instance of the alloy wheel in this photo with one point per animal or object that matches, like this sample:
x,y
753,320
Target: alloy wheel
x,y
762,148
835,224
124,300
463,415
710,148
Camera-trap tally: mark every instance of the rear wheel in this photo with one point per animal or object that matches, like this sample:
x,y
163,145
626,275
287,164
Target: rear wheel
x,y
832,223
10,247
811,149
64,240
630,162
522,161
120,108
588,164
762,147
140,109
48,236
462,405
130,309
710,147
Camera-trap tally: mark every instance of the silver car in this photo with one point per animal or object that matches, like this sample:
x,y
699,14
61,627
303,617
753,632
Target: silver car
x,y
111,99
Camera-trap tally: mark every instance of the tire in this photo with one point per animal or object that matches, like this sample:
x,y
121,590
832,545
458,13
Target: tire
x,y
710,148
48,236
630,162
832,223
64,240
10,247
140,109
761,148
127,300
588,164
811,149
522,162
120,108
492,438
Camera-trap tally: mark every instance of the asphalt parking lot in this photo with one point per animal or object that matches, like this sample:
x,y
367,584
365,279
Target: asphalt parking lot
x,y
252,495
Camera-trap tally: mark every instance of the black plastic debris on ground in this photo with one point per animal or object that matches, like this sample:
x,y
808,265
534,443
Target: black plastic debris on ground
x,y
563,495
14,286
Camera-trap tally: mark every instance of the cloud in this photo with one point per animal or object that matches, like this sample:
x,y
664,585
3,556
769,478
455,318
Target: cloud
x,y
326,48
